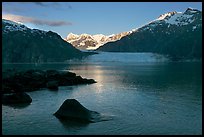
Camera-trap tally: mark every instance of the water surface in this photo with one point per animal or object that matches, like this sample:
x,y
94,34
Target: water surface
x,y
143,98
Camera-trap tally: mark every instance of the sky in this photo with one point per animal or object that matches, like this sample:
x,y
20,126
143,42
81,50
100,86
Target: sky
x,y
89,17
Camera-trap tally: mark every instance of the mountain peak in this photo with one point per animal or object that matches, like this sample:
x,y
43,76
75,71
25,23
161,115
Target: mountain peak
x,y
84,34
18,26
177,18
13,26
164,16
191,10
71,36
12,22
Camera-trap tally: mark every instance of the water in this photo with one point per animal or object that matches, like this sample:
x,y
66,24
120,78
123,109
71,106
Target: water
x,y
142,98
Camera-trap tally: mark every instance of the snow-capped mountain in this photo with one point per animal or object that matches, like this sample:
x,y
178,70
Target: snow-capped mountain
x,y
91,42
13,26
22,44
9,27
176,34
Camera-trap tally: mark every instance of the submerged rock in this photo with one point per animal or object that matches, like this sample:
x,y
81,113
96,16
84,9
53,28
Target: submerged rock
x,y
73,110
16,98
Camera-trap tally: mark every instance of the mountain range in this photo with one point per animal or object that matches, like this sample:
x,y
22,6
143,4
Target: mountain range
x,y
174,34
91,42
22,44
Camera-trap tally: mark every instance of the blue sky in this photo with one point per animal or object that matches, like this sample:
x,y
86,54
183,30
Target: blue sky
x,y
90,17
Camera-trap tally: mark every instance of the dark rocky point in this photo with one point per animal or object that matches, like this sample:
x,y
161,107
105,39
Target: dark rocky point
x,y
31,80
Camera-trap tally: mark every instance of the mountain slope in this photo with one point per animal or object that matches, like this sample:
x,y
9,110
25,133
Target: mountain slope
x,y
91,42
176,34
22,44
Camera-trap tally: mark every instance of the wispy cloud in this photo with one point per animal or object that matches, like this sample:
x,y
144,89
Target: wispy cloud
x,y
17,7
40,4
35,21
56,5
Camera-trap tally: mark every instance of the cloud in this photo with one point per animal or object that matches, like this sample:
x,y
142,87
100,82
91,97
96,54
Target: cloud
x,y
35,21
40,4
56,5
21,7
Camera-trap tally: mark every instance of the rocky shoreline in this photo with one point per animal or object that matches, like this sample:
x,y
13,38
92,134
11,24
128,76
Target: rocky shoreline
x,y
16,83
31,80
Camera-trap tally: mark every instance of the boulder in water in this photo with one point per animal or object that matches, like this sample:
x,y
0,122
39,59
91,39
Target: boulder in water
x,y
72,109
16,98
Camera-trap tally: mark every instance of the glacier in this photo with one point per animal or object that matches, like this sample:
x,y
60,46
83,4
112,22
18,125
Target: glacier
x,y
125,57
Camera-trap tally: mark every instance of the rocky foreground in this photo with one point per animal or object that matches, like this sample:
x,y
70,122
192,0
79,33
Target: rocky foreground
x,y
16,83
31,80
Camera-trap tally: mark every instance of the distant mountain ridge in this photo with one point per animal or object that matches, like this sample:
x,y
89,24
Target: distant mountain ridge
x,y
22,44
175,34
91,42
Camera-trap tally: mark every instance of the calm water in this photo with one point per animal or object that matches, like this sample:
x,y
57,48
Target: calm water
x,y
141,98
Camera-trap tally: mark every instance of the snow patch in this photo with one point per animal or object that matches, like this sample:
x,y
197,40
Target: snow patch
x,y
111,35
174,18
98,37
82,44
180,19
194,27
17,26
71,35
13,26
163,16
